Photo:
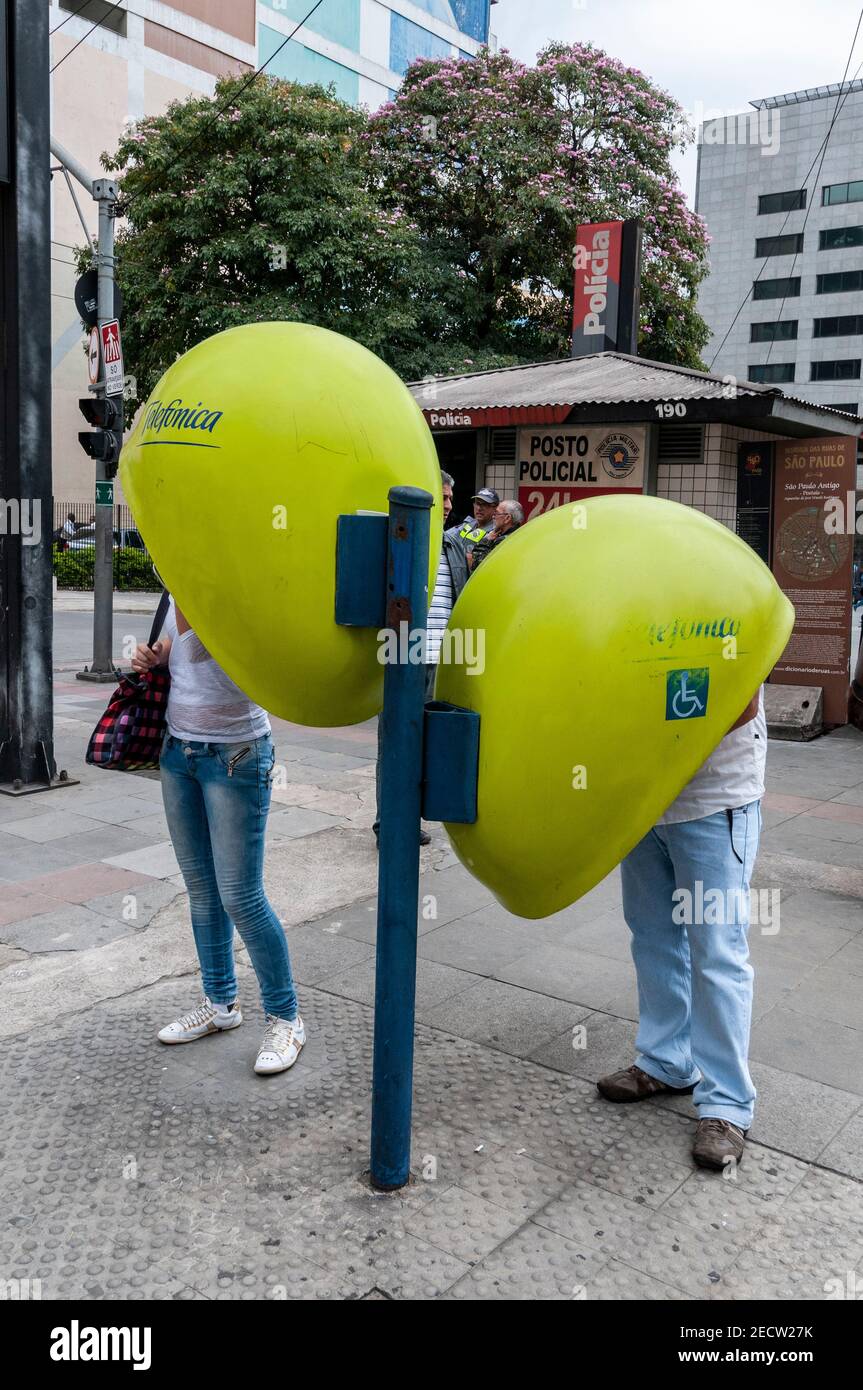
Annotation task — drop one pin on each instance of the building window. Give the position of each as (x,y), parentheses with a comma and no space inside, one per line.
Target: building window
(791,201)
(847,407)
(845,369)
(839,282)
(838,326)
(98,12)
(787,245)
(779,331)
(409,41)
(836,238)
(470,16)
(833,193)
(786,288)
(296,63)
(772,372)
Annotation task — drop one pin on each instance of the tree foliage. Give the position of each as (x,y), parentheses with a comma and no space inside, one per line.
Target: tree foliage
(439,232)
(498,163)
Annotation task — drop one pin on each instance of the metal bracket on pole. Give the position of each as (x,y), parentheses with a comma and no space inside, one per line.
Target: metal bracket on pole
(450,763)
(361,569)
(429,758)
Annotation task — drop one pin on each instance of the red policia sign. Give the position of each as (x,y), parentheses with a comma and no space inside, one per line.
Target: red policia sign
(607,265)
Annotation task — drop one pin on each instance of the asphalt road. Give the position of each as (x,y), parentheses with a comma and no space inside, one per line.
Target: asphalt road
(73,636)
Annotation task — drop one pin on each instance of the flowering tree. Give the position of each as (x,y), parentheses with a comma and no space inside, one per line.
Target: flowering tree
(497,163)
(439,232)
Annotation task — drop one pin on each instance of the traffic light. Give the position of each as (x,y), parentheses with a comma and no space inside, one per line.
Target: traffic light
(106,440)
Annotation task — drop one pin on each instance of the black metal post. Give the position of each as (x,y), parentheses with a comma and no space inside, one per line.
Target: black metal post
(26,703)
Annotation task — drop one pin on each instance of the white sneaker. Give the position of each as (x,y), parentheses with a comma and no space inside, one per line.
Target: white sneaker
(207,1018)
(283,1042)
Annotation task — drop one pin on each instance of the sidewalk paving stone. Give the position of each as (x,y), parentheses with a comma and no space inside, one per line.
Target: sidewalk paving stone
(132,1169)
(502,1016)
(434,984)
(811,1047)
(845,1150)
(67,928)
(604,1044)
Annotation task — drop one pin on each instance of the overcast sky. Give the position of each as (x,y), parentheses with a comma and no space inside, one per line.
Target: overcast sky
(713,57)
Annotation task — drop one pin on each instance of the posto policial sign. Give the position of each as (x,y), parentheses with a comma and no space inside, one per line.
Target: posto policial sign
(561,465)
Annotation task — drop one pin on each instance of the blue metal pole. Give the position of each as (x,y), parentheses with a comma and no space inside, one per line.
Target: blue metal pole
(398,869)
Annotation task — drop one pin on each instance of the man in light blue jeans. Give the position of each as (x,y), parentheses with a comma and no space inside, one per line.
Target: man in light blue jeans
(690,948)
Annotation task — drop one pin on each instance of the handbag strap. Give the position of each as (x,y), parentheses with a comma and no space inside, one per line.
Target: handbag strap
(159,617)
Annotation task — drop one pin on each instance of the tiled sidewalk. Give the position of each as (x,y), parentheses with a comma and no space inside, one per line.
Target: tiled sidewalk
(129,1169)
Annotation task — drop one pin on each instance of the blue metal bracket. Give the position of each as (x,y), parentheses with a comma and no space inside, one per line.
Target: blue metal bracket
(450,763)
(361,571)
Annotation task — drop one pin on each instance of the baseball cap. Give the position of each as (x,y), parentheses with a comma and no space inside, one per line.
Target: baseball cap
(486,494)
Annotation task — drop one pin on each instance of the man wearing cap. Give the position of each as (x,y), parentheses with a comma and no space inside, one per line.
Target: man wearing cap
(473,528)
(507,519)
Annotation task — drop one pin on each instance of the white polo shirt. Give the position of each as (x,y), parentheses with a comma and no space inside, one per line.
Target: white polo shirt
(732,776)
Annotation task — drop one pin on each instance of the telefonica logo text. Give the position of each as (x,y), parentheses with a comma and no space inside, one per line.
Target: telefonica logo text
(77,1343)
(683,630)
(176,415)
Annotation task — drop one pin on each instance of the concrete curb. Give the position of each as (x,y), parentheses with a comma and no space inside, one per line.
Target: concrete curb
(81,601)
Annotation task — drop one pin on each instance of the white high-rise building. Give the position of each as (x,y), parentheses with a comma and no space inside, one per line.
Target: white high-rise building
(784,208)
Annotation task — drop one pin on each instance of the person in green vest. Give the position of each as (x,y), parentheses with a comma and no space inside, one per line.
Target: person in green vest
(473,528)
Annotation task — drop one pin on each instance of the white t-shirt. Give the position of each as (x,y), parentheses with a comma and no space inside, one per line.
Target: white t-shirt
(204,704)
(732,776)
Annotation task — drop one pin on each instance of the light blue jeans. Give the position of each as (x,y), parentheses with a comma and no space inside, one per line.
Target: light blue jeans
(694,976)
(217,798)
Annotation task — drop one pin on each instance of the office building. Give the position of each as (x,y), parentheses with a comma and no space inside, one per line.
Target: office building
(784,208)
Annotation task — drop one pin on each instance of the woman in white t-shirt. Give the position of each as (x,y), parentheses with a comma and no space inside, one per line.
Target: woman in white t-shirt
(216,764)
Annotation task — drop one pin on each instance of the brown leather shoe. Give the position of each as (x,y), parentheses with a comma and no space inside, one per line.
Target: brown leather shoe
(718,1143)
(633,1084)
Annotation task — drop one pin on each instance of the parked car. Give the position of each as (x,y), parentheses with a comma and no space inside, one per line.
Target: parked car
(124,537)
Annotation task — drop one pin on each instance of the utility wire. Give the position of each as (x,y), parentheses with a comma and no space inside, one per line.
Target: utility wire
(235,96)
(233,99)
(822,150)
(840,102)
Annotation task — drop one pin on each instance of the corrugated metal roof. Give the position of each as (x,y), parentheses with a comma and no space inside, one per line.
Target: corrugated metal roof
(603,378)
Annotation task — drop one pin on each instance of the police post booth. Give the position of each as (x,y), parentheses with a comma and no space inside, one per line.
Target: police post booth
(778,471)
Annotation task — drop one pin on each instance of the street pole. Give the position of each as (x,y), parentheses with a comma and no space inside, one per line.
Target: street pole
(26,696)
(402,718)
(102,668)
(103,192)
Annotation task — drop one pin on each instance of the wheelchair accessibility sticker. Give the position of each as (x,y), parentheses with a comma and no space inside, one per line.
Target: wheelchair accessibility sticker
(686,694)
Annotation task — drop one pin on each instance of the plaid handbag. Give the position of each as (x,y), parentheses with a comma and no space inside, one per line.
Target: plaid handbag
(129,734)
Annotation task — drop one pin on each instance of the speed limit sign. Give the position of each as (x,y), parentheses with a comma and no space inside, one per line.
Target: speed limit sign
(93,356)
